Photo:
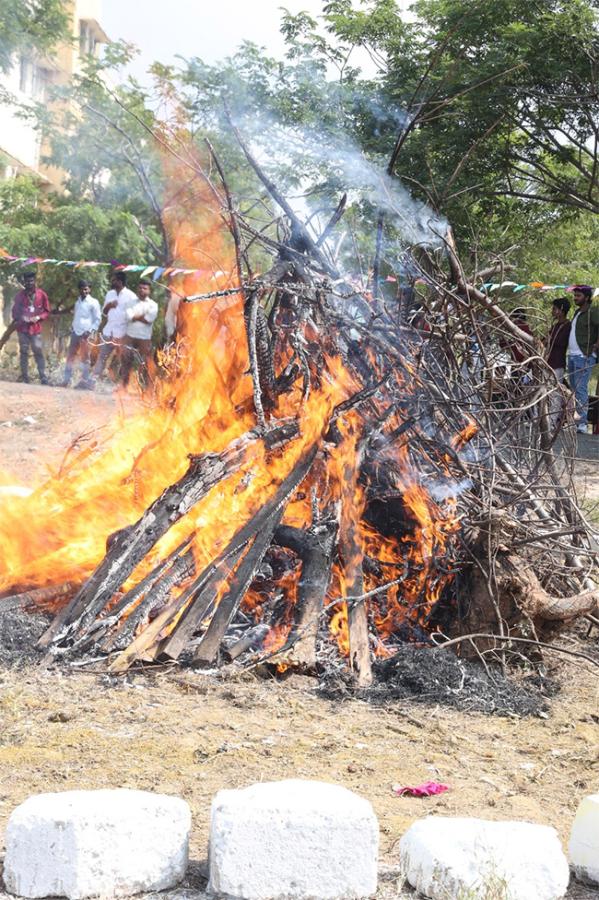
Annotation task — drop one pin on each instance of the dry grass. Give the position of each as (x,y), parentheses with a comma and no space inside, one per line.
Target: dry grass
(185,735)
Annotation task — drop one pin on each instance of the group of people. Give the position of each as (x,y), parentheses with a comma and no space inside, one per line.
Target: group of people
(573,346)
(127,331)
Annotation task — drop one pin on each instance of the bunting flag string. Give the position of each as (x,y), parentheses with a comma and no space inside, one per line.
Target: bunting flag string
(145,270)
(531,285)
(166,272)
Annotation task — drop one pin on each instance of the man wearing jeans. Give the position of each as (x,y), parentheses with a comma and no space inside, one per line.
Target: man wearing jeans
(86,320)
(116,303)
(30,307)
(583,348)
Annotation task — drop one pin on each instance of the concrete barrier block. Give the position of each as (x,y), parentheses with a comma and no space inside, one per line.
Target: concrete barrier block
(446,858)
(583,848)
(293,839)
(110,843)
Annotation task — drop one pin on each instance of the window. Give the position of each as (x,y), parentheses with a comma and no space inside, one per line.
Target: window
(87,39)
(25,75)
(32,78)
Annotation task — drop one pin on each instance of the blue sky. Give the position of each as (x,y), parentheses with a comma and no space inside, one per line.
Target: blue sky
(210,29)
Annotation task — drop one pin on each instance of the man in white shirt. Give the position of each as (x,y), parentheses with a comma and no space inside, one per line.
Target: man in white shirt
(138,340)
(86,320)
(116,303)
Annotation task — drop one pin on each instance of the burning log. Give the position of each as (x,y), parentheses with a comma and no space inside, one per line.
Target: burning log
(315,547)
(264,525)
(44,599)
(129,547)
(181,567)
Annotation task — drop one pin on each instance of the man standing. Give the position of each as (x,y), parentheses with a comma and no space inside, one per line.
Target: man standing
(115,308)
(30,307)
(138,342)
(557,340)
(86,320)
(583,347)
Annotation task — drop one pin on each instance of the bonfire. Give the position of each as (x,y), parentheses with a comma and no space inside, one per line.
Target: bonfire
(317,475)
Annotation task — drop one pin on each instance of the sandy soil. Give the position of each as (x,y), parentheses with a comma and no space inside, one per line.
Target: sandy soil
(38,424)
(180,732)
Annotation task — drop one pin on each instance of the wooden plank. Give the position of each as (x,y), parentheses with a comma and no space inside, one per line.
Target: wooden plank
(359,645)
(205,594)
(263,525)
(208,649)
(180,571)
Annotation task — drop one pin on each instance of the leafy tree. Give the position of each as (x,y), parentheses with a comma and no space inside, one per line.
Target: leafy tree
(61,227)
(501,99)
(30,24)
(490,108)
(102,138)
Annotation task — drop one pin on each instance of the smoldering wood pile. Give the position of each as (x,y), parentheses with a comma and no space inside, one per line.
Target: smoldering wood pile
(454,511)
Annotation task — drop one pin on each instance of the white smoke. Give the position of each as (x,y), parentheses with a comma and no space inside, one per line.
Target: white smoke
(448,490)
(336,159)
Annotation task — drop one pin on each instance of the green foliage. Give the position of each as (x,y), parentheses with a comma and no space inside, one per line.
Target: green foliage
(494,103)
(502,96)
(566,251)
(30,25)
(102,139)
(32,223)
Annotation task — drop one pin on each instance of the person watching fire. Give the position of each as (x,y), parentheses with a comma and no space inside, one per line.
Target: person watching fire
(116,303)
(138,340)
(558,337)
(583,349)
(86,320)
(30,308)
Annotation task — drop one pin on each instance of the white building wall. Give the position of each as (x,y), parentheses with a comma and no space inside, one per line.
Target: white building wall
(28,81)
(18,139)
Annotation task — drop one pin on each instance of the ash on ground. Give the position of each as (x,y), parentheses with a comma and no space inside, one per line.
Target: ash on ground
(19,633)
(417,674)
(423,675)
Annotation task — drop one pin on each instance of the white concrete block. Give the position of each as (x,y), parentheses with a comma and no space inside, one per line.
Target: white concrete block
(583,848)
(293,839)
(87,843)
(446,858)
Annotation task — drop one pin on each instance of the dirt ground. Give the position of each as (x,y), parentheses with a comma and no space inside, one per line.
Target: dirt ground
(184,733)
(37,425)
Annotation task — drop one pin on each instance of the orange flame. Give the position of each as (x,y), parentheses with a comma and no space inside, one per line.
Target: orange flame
(59,532)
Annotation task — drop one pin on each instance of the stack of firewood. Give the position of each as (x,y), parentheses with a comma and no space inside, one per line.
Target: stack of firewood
(414,488)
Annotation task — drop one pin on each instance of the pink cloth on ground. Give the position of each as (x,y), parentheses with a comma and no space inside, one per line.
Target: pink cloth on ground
(428,789)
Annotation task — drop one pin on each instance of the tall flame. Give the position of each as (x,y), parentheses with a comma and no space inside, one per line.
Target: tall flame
(59,532)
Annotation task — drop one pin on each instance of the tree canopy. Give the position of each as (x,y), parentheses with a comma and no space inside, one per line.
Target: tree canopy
(62,227)
(487,114)
(31,25)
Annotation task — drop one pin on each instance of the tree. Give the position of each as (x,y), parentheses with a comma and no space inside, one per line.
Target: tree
(59,227)
(30,25)
(102,139)
(501,99)
(487,112)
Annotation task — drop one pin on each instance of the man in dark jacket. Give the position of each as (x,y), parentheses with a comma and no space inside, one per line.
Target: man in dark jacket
(557,340)
(583,349)
(30,307)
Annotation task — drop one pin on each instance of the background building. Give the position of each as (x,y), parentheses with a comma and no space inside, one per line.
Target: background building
(28,81)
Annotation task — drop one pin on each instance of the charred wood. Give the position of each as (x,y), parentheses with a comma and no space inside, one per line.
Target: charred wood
(315,548)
